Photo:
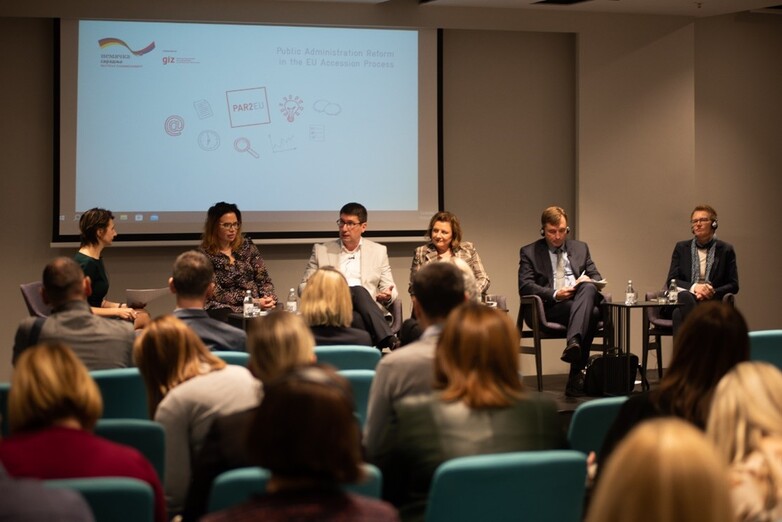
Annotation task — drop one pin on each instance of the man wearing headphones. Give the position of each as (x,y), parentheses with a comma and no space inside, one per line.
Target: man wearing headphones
(551,268)
(704,267)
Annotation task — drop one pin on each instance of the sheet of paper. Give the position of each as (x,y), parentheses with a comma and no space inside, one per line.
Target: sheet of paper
(138,298)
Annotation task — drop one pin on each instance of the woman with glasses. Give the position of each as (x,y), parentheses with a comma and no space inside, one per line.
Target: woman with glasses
(445,244)
(238,264)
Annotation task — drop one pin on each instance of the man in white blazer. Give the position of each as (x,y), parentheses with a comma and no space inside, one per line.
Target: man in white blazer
(365,265)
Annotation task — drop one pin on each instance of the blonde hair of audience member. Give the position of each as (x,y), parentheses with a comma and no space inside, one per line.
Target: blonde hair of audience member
(49,386)
(664,470)
(712,340)
(746,408)
(169,353)
(326,299)
(476,360)
(277,343)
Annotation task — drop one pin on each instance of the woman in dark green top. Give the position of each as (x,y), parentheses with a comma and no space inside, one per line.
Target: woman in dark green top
(97,232)
(479,407)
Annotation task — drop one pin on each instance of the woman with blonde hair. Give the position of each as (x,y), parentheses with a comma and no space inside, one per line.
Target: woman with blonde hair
(745,424)
(53,406)
(187,388)
(328,310)
(277,343)
(479,406)
(665,469)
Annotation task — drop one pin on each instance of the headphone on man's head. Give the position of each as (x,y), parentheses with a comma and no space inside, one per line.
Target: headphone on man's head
(567,231)
(714,226)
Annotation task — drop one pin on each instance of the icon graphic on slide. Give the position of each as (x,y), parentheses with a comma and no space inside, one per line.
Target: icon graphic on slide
(243,145)
(291,107)
(203,109)
(283,144)
(327,107)
(209,140)
(317,132)
(174,125)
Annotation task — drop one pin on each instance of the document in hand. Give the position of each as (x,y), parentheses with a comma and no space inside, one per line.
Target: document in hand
(599,284)
(139,298)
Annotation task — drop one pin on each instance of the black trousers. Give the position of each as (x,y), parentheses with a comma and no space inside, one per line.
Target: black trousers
(368,316)
(580,315)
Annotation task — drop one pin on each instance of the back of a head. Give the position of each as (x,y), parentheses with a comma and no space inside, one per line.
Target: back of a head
(746,408)
(168,353)
(326,299)
(664,470)
(51,384)
(63,280)
(711,341)
(476,360)
(438,288)
(277,343)
(192,274)
(305,427)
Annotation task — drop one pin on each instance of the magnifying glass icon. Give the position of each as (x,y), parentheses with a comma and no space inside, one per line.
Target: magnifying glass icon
(243,145)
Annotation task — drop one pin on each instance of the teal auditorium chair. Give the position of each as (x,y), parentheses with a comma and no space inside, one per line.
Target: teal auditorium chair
(348,356)
(113,499)
(591,422)
(238,485)
(360,383)
(766,345)
(124,395)
(5,387)
(237,358)
(147,436)
(533,486)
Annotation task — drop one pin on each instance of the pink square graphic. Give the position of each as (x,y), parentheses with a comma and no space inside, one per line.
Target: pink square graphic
(248,107)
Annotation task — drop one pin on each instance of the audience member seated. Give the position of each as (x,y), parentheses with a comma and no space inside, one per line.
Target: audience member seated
(445,244)
(309,453)
(664,470)
(277,343)
(192,283)
(53,406)
(437,289)
(365,266)
(238,264)
(30,501)
(101,343)
(97,232)
(480,407)
(745,424)
(187,387)
(327,308)
(711,342)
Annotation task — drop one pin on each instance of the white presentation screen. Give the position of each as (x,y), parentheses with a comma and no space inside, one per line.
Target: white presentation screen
(159,121)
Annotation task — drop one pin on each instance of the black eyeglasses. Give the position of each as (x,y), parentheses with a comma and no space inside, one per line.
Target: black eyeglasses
(230,226)
(348,224)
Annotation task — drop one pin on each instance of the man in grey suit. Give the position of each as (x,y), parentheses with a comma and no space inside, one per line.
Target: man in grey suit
(192,282)
(437,289)
(552,268)
(365,265)
(101,343)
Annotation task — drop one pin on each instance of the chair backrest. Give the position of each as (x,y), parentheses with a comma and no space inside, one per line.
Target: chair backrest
(531,486)
(591,422)
(360,382)
(147,436)
(115,499)
(231,357)
(5,387)
(766,345)
(31,292)
(348,356)
(238,485)
(124,395)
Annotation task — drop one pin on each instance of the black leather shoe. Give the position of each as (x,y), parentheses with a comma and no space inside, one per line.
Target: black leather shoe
(575,385)
(572,353)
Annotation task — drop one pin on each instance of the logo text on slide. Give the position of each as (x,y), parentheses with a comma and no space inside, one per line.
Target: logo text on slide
(108,42)
(248,107)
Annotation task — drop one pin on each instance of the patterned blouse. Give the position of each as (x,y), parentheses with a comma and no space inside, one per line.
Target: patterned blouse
(248,272)
(466,252)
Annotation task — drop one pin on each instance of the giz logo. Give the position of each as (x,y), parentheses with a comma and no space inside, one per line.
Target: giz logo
(168,59)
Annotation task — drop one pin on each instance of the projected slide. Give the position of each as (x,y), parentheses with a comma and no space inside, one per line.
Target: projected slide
(172,117)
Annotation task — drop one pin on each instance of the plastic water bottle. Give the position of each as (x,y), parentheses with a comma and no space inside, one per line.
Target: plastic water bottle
(630,295)
(292,304)
(673,292)
(247,304)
